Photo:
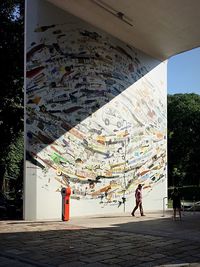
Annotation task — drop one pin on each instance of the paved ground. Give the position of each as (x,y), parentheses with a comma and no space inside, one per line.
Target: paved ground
(115,240)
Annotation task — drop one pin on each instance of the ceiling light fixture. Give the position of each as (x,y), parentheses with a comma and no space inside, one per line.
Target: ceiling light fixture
(112,11)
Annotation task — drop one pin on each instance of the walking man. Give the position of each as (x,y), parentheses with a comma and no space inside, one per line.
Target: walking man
(138,200)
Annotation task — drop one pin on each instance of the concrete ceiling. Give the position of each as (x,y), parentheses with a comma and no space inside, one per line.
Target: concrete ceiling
(160,28)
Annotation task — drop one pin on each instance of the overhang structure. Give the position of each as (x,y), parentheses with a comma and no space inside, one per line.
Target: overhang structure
(159,28)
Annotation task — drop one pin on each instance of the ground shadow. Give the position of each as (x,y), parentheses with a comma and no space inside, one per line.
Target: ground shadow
(151,243)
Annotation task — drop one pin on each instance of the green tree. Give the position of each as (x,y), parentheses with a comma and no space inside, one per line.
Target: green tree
(184,139)
(14,159)
(11,82)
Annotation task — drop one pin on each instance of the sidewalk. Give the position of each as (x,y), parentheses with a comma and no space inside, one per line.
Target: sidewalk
(115,240)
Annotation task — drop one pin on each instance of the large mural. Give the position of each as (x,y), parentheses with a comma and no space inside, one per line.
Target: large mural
(88,126)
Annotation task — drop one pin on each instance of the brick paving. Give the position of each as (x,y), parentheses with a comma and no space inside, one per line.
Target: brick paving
(119,240)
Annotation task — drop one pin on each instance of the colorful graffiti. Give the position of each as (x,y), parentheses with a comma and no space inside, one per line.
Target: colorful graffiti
(87,126)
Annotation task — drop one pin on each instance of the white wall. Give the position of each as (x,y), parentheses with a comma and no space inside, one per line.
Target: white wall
(96,118)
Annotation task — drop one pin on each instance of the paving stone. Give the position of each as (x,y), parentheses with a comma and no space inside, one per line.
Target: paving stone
(112,261)
(103,248)
(157,256)
(146,264)
(6,262)
(98,258)
(175,265)
(129,257)
(129,263)
(14,251)
(125,251)
(97,264)
(72,264)
(58,244)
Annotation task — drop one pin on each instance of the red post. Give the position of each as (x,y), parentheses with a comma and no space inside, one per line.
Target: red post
(66,192)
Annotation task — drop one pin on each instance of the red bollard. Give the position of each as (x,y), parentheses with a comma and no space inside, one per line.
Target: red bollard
(66,192)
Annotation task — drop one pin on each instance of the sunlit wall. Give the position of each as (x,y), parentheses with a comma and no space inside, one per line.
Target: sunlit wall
(95,118)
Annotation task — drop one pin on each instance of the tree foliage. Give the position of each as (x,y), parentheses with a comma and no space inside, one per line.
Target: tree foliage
(11,82)
(15,157)
(184,139)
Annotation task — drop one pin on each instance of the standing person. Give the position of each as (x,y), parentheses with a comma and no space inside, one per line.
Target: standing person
(176,199)
(138,201)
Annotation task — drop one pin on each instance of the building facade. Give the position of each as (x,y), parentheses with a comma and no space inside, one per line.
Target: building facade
(96,118)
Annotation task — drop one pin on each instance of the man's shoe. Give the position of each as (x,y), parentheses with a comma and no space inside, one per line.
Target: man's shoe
(132,214)
(143,215)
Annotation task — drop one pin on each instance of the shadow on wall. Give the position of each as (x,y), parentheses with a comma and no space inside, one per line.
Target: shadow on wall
(85,123)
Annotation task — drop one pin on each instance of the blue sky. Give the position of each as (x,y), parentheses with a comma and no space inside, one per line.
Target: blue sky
(184,73)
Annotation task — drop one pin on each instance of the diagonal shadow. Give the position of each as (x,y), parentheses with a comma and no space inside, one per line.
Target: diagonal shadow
(65,86)
(91,112)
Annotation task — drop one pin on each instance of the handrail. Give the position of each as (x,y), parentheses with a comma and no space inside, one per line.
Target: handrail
(182,205)
(193,206)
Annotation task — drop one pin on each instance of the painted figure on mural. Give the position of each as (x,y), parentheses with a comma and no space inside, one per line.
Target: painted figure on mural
(138,201)
(176,199)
